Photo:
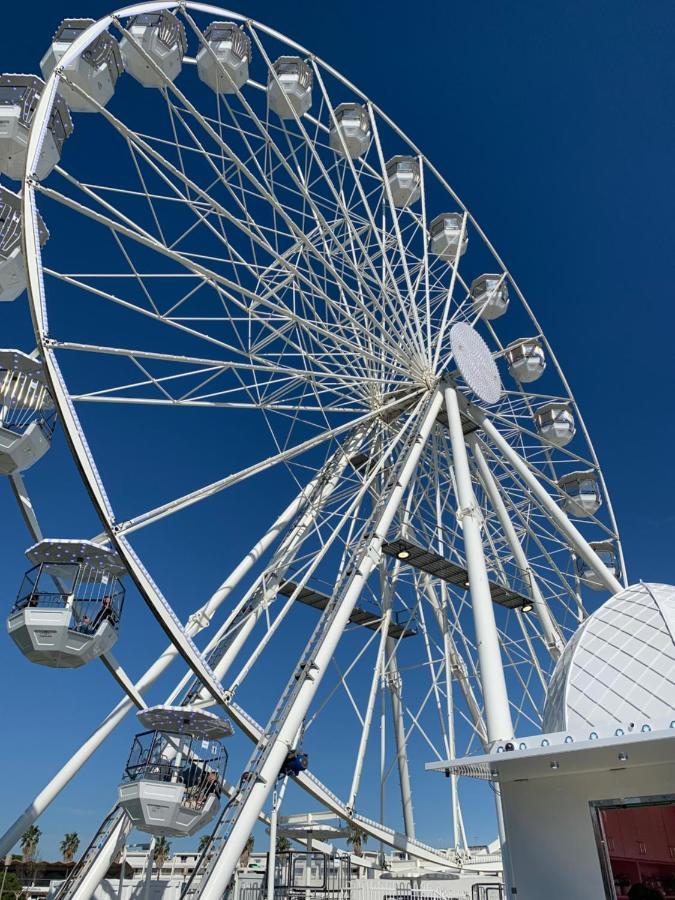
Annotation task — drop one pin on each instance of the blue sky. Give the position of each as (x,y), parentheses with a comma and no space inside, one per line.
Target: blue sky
(554,124)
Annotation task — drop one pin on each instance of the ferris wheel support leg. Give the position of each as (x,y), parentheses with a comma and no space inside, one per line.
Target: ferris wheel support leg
(196,623)
(370,708)
(557,516)
(102,861)
(491,669)
(394,683)
(277,799)
(282,739)
(551,634)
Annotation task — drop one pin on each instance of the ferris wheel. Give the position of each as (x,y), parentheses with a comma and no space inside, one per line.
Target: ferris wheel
(236,249)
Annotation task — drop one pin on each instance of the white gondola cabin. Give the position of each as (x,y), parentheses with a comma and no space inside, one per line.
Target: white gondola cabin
(445,234)
(490,296)
(173,778)
(289,87)
(403,175)
(223,63)
(69,605)
(154,48)
(607,553)
(27,412)
(581,495)
(555,423)
(526,359)
(95,71)
(350,133)
(19,95)
(12,263)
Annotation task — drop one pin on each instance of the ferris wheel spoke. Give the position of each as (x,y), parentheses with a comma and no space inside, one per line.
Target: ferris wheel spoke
(170,86)
(403,254)
(174,506)
(147,152)
(214,278)
(316,159)
(414,332)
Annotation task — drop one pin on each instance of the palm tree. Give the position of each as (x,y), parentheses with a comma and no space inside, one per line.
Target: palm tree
(356,838)
(246,853)
(204,842)
(160,853)
(283,844)
(29,842)
(69,846)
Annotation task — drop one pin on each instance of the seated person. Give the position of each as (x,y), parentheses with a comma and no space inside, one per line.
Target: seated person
(31,600)
(105,614)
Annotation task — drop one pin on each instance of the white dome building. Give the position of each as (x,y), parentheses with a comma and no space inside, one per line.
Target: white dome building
(619,668)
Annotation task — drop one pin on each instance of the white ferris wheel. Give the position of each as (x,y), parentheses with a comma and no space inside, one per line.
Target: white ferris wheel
(243,274)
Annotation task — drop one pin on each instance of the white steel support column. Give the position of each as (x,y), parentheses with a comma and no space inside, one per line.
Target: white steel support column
(277,798)
(368,718)
(394,683)
(101,863)
(558,518)
(552,636)
(293,716)
(493,681)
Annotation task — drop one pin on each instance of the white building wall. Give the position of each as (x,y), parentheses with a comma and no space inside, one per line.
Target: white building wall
(550,828)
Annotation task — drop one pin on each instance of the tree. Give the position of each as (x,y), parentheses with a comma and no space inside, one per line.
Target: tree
(356,838)
(161,853)
(283,844)
(29,842)
(204,842)
(246,853)
(11,886)
(69,846)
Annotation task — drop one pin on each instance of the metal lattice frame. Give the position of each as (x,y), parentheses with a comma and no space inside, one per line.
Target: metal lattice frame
(277,276)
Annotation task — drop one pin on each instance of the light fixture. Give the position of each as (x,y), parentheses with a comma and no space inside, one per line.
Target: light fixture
(555,765)
(623,756)
(527,606)
(403,554)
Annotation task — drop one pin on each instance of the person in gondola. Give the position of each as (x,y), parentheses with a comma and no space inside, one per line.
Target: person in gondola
(105,614)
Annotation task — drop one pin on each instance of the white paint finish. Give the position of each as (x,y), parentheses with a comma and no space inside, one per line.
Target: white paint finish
(493,681)
(619,667)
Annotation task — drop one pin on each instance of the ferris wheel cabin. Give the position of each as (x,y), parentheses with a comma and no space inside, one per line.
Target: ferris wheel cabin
(607,553)
(350,133)
(69,605)
(526,359)
(555,423)
(581,493)
(290,92)
(445,233)
(19,95)
(27,412)
(95,71)
(403,175)
(154,41)
(223,63)
(173,778)
(489,296)
(12,263)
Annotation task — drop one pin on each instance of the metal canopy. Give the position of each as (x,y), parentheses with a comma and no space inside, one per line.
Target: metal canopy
(198,723)
(318,600)
(434,564)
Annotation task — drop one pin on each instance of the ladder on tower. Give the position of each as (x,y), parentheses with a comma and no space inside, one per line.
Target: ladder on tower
(231,812)
(107,832)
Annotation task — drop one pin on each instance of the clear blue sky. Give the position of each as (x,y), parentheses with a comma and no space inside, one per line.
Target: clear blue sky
(554,122)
